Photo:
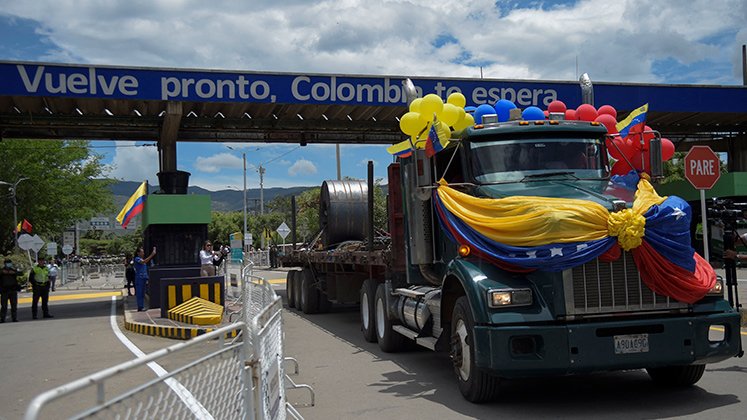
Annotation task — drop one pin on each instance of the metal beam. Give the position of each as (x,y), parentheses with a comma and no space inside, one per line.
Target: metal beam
(168,137)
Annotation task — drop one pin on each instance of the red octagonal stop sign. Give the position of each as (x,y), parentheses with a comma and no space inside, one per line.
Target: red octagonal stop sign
(702,167)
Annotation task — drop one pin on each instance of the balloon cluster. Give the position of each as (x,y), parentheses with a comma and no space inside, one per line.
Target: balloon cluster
(431,110)
(633,148)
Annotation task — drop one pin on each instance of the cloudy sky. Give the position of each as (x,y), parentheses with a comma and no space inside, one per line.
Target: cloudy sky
(692,42)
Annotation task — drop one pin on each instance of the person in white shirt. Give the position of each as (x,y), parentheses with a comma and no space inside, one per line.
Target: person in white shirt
(207,256)
(53,270)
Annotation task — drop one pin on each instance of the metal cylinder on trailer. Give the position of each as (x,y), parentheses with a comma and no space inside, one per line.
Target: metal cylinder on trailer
(343,211)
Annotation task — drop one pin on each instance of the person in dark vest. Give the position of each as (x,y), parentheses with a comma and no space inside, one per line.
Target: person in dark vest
(9,288)
(39,278)
(129,275)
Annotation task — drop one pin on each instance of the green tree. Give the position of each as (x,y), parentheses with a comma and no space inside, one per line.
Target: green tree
(223,225)
(65,184)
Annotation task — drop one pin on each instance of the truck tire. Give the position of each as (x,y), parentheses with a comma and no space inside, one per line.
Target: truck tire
(368,324)
(389,340)
(297,289)
(475,384)
(309,293)
(289,292)
(676,376)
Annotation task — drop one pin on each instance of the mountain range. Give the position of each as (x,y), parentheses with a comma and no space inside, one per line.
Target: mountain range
(223,200)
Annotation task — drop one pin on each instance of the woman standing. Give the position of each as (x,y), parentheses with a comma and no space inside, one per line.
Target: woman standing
(207,256)
(141,275)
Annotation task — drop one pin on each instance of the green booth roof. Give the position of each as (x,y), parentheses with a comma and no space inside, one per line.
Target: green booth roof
(167,209)
(733,184)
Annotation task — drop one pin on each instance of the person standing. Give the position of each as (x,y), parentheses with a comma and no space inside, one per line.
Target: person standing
(53,270)
(129,274)
(141,275)
(9,288)
(39,279)
(207,256)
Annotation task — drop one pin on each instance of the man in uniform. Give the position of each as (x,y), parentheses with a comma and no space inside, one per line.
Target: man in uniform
(39,278)
(9,290)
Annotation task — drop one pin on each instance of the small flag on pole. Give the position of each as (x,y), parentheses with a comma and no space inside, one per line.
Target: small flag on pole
(134,205)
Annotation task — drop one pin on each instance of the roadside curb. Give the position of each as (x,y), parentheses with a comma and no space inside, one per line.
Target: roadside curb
(179,332)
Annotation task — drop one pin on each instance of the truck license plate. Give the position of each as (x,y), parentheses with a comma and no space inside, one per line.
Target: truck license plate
(632,343)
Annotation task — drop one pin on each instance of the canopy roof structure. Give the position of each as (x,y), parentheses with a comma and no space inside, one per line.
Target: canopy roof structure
(64,101)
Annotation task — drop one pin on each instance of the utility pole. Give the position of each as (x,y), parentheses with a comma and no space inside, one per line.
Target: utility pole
(243,236)
(12,189)
(262,197)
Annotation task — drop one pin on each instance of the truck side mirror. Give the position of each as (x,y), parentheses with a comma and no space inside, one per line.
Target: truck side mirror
(656,163)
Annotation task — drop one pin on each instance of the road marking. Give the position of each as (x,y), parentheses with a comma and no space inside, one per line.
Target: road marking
(276,281)
(56,298)
(183,393)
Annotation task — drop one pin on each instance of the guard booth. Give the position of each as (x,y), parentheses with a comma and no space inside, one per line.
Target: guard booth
(176,224)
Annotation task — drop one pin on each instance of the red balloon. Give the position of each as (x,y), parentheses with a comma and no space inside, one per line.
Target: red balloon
(620,168)
(635,136)
(570,114)
(556,106)
(586,112)
(547,113)
(607,109)
(615,151)
(608,121)
(667,149)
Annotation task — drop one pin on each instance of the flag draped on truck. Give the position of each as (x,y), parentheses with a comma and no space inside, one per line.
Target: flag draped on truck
(554,234)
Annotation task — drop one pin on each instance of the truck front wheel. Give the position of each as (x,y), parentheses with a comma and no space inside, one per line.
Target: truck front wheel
(677,376)
(368,293)
(475,384)
(389,340)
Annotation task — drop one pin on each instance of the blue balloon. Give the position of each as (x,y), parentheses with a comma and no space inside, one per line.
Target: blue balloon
(532,113)
(470,109)
(503,109)
(481,110)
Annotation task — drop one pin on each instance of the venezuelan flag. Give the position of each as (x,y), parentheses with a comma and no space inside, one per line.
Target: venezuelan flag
(134,205)
(636,117)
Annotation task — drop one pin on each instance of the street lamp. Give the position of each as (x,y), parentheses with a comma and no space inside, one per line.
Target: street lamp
(243,236)
(12,190)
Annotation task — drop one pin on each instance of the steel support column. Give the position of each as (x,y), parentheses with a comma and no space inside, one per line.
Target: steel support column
(169,134)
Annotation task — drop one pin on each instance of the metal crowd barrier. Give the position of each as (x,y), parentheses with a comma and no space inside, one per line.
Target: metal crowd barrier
(242,379)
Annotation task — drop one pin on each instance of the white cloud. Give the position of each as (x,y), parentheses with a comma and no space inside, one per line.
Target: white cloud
(215,163)
(134,163)
(302,167)
(613,41)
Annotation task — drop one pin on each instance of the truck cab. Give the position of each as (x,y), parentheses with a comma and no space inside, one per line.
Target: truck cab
(498,322)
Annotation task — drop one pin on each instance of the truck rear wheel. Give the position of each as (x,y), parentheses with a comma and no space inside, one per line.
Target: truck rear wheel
(309,294)
(677,376)
(475,384)
(390,341)
(368,294)
(289,292)
(297,289)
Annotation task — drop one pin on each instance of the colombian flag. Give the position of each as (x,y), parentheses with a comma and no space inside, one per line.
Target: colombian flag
(134,205)
(402,149)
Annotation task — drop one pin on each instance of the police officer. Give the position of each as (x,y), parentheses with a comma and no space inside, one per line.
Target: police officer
(9,288)
(39,278)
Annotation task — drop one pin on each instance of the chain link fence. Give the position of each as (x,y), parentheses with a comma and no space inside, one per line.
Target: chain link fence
(239,379)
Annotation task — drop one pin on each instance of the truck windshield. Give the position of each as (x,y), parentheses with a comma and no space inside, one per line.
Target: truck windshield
(513,160)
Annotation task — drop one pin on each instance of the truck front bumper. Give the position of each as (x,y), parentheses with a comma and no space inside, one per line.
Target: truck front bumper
(526,351)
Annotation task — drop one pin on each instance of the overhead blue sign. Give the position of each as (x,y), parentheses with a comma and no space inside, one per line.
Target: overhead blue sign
(105,82)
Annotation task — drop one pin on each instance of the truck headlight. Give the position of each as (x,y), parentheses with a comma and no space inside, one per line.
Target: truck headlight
(718,288)
(500,298)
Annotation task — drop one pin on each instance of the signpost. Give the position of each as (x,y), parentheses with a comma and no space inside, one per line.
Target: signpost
(283,230)
(702,169)
(52,249)
(67,249)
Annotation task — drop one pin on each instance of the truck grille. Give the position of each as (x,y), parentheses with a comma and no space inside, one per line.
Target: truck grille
(606,287)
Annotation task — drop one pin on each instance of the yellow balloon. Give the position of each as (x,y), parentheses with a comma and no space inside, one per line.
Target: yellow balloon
(450,114)
(444,132)
(431,104)
(410,123)
(457,99)
(415,105)
(465,122)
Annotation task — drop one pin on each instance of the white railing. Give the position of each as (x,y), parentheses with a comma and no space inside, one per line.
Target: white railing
(243,378)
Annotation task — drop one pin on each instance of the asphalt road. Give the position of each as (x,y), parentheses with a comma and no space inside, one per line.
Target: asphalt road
(352,379)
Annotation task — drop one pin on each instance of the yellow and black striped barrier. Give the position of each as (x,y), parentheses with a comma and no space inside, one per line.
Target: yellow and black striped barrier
(197,311)
(176,291)
(181,333)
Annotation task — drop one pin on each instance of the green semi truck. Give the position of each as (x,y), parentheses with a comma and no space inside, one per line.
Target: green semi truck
(423,283)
